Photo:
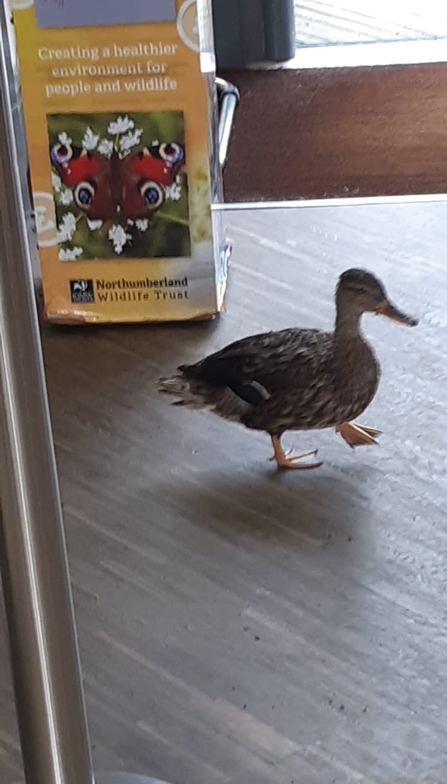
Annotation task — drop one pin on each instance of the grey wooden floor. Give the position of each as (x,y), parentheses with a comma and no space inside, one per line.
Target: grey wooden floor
(240,625)
(321,22)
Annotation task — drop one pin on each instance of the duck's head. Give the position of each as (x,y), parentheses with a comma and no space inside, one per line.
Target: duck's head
(359,291)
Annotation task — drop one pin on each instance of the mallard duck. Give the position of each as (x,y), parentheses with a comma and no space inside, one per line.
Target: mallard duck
(296,379)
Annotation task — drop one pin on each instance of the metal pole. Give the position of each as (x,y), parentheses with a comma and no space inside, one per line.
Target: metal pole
(44,652)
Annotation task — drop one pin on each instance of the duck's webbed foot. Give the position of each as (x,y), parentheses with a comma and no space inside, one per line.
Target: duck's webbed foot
(290,461)
(358,435)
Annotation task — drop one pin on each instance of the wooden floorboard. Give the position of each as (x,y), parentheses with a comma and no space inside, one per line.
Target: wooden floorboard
(237,625)
(327,22)
(338,132)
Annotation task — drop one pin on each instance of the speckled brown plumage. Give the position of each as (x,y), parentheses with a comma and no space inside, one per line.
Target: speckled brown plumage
(296,379)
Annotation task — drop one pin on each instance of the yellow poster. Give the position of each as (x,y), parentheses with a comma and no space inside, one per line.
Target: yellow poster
(119,121)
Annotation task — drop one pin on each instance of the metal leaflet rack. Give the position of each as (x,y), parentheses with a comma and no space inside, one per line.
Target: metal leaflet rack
(228,96)
(34,568)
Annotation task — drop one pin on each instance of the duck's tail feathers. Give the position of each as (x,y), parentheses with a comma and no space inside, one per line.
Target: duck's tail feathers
(179,387)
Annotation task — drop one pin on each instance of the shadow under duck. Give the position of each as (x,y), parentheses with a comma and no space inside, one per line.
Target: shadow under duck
(296,379)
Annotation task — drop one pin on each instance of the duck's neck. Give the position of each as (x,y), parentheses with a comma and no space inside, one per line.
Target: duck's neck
(355,368)
(347,327)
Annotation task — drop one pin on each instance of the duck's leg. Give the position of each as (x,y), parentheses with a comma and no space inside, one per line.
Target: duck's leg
(357,435)
(295,462)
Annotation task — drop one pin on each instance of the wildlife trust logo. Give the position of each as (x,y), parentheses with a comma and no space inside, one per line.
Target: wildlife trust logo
(82,291)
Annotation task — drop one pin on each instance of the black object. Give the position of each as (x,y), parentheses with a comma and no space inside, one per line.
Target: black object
(250,32)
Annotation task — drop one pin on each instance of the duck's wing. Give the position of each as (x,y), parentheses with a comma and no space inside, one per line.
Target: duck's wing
(257,367)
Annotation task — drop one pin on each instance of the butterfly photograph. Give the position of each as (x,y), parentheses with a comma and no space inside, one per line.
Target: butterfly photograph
(120,185)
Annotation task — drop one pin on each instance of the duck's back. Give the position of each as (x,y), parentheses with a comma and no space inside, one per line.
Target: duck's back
(275,375)
(271,359)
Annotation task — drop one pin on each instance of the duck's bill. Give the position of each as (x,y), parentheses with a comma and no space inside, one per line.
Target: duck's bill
(387,308)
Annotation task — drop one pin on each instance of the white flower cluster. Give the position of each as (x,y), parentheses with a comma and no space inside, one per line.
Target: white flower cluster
(64,139)
(173,192)
(67,228)
(119,238)
(70,254)
(90,140)
(129,140)
(120,125)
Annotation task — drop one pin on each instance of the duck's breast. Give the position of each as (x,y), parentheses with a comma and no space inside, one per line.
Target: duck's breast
(357,376)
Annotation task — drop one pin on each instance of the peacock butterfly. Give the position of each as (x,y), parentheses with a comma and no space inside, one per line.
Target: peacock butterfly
(115,188)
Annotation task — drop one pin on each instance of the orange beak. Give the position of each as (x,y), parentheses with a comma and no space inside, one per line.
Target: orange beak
(387,308)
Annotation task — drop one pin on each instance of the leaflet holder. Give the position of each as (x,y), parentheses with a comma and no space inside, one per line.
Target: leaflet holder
(127,131)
